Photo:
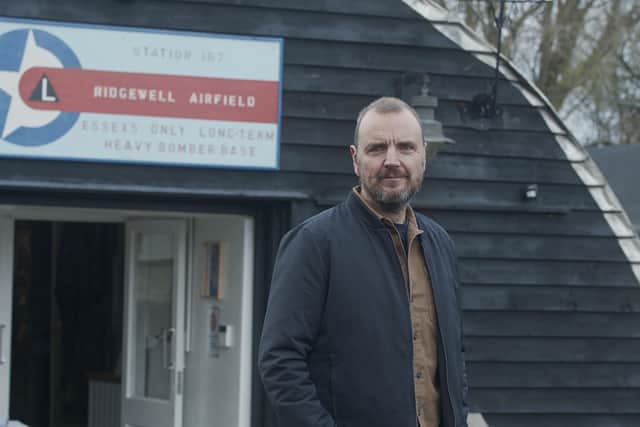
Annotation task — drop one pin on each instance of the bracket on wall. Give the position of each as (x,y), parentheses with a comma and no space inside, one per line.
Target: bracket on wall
(407,84)
(485,105)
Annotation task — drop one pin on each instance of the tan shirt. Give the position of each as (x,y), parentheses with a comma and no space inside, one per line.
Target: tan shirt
(423,317)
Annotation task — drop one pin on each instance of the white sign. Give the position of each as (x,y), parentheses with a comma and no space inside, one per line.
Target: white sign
(80,92)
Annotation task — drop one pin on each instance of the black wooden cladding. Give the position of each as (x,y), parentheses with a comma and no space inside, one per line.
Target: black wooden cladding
(501,169)
(556,324)
(390,8)
(578,223)
(563,420)
(514,272)
(490,196)
(320,25)
(501,143)
(403,59)
(552,349)
(491,143)
(551,248)
(540,298)
(367,81)
(553,375)
(551,305)
(341,107)
(509,400)
(312,25)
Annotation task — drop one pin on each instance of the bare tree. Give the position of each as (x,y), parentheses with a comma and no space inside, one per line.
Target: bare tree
(616,107)
(580,53)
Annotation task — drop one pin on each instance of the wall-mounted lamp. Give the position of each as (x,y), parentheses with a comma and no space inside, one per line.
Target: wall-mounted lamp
(425,105)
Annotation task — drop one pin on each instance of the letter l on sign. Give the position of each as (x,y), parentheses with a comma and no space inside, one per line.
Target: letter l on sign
(45,91)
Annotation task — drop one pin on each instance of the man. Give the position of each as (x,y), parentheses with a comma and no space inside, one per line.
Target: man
(362,326)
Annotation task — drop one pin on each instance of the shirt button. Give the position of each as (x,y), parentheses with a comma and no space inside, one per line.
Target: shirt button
(419,375)
(415,335)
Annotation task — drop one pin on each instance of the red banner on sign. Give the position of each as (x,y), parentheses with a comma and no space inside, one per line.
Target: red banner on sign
(152,95)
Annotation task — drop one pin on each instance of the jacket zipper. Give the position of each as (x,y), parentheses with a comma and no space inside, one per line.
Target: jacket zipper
(408,293)
(407,250)
(444,349)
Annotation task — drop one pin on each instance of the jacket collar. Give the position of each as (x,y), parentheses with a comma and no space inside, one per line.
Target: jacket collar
(357,205)
(371,218)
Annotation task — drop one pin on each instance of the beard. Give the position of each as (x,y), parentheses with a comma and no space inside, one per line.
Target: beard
(394,200)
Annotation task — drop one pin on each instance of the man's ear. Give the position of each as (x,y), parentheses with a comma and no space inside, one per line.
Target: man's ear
(354,158)
(424,157)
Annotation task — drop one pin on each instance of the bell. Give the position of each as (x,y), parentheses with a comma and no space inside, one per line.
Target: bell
(425,105)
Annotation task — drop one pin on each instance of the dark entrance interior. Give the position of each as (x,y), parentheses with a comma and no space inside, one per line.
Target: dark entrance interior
(67,318)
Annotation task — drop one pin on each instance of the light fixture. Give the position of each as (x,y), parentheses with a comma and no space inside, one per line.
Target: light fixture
(531,192)
(425,105)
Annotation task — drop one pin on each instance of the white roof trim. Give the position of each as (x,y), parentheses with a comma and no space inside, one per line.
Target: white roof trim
(620,224)
(458,32)
(552,123)
(529,95)
(462,37)
(574,152)
(490,59)
(602,200)
(433,11)
(631,247)
(589,173)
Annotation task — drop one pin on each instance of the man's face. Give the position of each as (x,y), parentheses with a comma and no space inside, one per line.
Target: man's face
(389,158)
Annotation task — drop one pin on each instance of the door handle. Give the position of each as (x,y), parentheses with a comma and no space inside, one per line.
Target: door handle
(3,360)
(166,348)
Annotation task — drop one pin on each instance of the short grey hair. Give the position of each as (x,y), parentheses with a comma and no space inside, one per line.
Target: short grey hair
(386,105)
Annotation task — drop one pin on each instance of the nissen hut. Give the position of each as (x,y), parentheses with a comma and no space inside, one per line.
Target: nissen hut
(153,153)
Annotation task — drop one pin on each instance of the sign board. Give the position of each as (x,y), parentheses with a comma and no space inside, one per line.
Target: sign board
(115,94)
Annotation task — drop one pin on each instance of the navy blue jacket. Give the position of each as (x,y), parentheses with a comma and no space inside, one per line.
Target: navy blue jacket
(337,346)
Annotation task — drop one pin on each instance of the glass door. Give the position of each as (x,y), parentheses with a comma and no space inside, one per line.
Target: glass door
(155,269)
(6,303)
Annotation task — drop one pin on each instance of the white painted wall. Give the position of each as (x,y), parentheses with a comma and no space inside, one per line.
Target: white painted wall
(217,391)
